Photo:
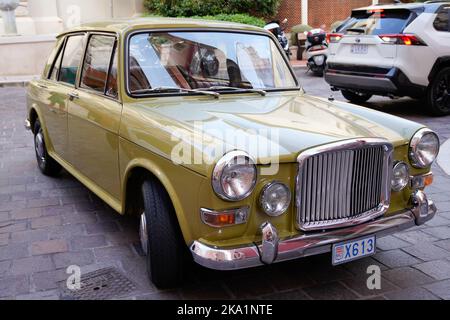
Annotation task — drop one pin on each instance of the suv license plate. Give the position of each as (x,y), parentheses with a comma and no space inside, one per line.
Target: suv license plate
(353,250)
(360,49)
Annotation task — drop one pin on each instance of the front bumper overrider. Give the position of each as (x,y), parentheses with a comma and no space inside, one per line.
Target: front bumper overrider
(271,249)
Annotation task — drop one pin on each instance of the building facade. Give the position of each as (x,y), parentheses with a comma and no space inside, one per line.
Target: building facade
(321,12)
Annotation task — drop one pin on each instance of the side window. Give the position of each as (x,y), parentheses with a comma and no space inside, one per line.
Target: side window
(73,54)
(56,65)
(111,87)
(442,20)
(97,62)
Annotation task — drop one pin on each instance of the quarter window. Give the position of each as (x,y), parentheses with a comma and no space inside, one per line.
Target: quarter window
(442,20)
(111,88)
(71,59)
(97,63)
(56,66)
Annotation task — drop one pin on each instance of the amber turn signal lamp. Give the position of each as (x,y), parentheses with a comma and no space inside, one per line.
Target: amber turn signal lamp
(225,218)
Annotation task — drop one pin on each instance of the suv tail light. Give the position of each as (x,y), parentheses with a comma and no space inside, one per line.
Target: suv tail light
(402,39)
(334,37)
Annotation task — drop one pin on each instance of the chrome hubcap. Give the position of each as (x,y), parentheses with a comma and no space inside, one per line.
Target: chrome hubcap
(143,233)
(40,147)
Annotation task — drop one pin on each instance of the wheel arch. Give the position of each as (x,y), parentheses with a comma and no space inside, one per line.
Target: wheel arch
(440,63)
(135,174)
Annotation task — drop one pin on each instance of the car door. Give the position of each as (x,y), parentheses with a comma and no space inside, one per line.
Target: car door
(94,115)
(57,88)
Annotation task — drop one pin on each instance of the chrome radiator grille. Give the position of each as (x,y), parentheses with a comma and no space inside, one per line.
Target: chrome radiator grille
(341,186)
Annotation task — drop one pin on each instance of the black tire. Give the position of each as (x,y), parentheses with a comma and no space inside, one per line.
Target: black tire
(46,164)
(439,94)
(356,97)
(166,249)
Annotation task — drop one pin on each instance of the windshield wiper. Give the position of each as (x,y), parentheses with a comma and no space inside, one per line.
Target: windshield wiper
(358,30)
(260,91)
(176,89)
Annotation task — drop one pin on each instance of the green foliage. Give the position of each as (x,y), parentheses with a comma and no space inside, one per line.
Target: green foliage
(238,18)
(300,28)
(189,8)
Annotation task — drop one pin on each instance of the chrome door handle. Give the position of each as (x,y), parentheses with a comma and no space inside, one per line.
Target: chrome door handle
(73,96)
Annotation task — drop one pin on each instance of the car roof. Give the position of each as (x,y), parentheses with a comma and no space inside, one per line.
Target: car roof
(410,6)
(122,26)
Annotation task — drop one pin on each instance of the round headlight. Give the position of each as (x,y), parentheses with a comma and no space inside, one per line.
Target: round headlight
(275,199)
(400,176)
(424,148)
(234,177)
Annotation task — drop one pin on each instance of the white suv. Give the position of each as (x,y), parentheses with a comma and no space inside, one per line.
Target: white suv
(394,50)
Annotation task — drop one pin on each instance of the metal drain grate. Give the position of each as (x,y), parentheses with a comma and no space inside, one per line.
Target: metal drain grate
(101,285)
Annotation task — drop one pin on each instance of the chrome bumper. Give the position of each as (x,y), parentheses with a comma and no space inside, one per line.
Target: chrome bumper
(271,249)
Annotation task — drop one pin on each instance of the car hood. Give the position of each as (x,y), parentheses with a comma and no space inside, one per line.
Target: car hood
(282,124)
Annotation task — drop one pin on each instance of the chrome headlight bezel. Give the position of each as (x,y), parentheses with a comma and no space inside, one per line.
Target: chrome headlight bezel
(398,166)
(263,198)
(233,157)
(414,153)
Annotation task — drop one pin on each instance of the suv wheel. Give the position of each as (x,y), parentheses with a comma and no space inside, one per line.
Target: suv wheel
(356,97)
(46,164)
(161,237)
(439,94)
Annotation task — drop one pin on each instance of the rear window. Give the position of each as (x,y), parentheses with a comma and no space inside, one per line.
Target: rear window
(442,20)
(377,22)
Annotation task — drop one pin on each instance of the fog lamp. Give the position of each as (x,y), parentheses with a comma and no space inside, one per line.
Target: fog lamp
(400,176)
(275,199)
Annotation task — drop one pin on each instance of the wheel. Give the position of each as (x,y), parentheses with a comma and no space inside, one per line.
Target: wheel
(356,97)
(439,94)
(318,72)
(161,238)
(46,164)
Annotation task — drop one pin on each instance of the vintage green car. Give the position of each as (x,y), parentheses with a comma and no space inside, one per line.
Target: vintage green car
(202,131)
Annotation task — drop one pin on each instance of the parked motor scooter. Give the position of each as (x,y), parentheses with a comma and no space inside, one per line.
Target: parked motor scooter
(277,29)
(316,51)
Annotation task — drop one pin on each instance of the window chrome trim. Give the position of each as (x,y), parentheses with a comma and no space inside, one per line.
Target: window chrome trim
(352,144)
(413,145)
(223,30)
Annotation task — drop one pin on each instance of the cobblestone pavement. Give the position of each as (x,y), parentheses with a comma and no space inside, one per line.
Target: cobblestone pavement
(48,224)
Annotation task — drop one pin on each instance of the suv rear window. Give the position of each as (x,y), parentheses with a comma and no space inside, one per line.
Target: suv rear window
(442,20)
(376,22)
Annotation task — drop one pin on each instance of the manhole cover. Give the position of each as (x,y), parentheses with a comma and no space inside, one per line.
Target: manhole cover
(101,285)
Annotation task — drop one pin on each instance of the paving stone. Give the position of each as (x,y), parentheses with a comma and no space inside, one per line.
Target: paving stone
(4,239)
(359,285)
(11,286)
(396,258)
(32,264)
(76,218)
(407,277)
(330,291)
(411,294)
(444,244)
(102,227)
(14,251)
(4,216)
(439,270)
(439,232)
(212,291)
(66,232)
(29,236)
(47,247)
(287,295)
(28,213)
(416,236)
(48,280)
(6,227)
(440,289)
(427,251)
(66,259)
(248,287)
(5,267)
(88,242)
(438,221)
(44,295)
(44,222)
(113,253)
(42,202)
(391,242)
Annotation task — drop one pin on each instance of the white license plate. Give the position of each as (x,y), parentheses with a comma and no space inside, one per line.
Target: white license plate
(352,250)
(360,49)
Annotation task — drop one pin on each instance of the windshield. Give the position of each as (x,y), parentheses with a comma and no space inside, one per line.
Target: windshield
(376,22)
(206,60)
